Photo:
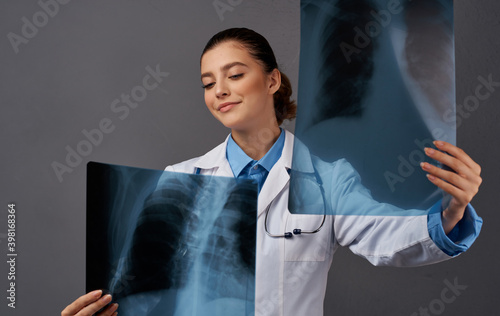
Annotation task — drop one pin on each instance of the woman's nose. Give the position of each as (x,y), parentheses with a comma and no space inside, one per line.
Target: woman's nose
(221,90)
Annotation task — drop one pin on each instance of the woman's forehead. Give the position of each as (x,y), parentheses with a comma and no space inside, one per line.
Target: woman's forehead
(224,53)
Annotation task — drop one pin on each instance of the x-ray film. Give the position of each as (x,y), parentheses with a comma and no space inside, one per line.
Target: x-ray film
(166,243)
(376,86)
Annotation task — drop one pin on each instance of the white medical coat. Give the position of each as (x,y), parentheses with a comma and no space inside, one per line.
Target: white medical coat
(291,274)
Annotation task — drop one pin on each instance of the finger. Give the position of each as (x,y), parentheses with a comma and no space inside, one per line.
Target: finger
(473,179)
(458,166)
(460,196)
(110,310)
(450,177)
(459,154)
(81,302)
(92,308)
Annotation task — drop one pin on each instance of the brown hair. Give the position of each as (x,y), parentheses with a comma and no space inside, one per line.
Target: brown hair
(259,48)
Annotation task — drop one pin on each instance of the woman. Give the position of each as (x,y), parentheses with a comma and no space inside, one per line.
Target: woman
(247,93)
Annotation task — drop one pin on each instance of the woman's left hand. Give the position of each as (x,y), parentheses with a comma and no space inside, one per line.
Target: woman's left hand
(462,185)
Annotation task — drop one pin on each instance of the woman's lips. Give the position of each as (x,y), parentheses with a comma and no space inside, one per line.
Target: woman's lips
(226,106)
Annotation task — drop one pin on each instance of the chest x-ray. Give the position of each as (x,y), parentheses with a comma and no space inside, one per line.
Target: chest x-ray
(376,86)
(165,243)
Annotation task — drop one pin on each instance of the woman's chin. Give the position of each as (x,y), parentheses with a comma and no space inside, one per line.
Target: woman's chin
(232,124)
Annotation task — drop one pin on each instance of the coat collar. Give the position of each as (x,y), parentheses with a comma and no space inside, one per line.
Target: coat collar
(216,159)
(278,177)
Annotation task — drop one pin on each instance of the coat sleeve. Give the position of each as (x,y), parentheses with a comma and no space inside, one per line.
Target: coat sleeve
(382,233)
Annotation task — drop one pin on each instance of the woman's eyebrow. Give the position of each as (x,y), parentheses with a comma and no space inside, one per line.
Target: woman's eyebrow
(226,67)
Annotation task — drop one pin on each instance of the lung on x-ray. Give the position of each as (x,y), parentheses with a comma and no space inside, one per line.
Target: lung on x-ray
(166,243)
(376,86)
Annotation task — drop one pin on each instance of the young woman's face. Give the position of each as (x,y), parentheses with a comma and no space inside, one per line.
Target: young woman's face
(237,90)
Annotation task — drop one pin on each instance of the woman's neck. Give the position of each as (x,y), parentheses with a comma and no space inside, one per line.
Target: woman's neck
(257,142)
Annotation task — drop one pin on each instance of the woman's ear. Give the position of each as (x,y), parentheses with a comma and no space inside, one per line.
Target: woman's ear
(274,81)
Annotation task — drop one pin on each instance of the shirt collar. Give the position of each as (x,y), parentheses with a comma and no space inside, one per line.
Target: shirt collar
(238,159)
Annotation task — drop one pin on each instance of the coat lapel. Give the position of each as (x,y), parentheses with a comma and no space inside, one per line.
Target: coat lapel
(279,176)
(276,181)
(215,163)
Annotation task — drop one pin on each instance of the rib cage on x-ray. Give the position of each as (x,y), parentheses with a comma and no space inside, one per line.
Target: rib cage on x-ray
(376,86)
(345,81)
(343,84)
(185,244)
(429,60)
(178,227)
(191,249)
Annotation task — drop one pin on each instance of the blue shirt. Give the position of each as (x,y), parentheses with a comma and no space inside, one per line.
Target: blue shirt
(461,236)
(246,168)
(456,242)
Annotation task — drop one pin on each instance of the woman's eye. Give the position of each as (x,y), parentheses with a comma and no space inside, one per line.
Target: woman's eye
(236,76)
(208,85)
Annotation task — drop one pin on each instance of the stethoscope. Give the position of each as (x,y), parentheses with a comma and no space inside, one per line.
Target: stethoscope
(298,231)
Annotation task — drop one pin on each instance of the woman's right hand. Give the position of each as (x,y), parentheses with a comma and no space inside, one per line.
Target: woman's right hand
(89,304)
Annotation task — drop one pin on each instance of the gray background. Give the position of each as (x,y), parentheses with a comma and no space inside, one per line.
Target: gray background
(64,80)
